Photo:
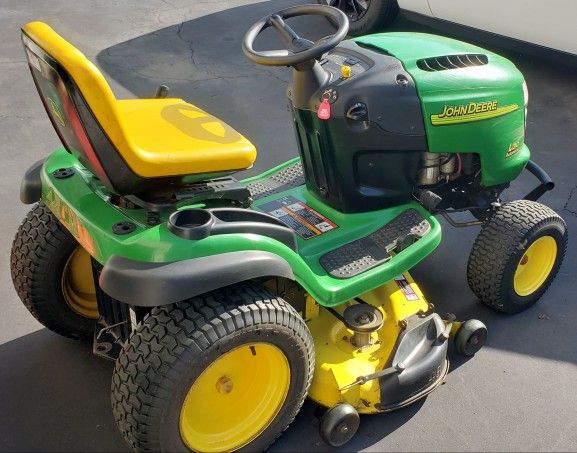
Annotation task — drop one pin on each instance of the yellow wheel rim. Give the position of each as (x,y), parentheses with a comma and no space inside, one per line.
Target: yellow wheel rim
(78,284)
(235,399)
(535,266)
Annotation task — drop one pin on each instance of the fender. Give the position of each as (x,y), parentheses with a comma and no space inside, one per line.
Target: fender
(31,185)
(146,284)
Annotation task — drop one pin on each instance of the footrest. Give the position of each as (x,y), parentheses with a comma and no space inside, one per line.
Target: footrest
(370,251)
(287,178)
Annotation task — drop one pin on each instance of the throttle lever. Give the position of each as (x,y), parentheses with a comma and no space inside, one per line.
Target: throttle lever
(358,112)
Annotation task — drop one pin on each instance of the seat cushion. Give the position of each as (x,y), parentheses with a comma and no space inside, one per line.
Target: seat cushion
(169,137)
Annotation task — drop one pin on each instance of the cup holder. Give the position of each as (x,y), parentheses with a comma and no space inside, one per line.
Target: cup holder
(191,223)
(198,224)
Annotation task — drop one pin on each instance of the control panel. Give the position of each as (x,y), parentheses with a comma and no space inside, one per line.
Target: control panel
(343,66)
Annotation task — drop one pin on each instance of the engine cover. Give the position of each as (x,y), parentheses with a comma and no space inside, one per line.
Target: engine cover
(472,99)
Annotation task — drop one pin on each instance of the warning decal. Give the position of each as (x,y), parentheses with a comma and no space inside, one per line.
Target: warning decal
(406,288)
(298,216)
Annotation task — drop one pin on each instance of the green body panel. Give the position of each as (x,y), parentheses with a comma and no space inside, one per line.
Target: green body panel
(81,203)
(499,141)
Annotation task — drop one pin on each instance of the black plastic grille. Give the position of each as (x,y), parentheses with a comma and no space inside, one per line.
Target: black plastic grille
(452,62)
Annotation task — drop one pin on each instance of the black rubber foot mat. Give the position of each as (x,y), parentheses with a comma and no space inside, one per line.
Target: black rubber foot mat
(287,178)
(370,251)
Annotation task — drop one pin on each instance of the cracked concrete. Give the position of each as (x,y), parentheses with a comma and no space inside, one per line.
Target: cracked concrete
(518,394)
(571,203)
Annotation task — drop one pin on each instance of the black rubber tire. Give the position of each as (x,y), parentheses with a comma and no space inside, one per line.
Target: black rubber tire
(380,13)
(176,343)
(470,337)
(339,424)
(39,254)
(500,245)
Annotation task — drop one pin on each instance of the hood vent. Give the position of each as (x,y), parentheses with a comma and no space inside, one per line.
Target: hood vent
(434,64)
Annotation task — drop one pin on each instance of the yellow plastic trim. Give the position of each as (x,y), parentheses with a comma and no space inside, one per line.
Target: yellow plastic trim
(156,137)
(535,266)
(235,399)
(78,284)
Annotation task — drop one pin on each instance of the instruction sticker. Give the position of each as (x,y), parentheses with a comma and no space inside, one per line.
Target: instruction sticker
(298,216)
(406,288)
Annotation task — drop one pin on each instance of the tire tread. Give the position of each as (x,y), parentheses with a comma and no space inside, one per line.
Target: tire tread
(153,351)
(499,239)
(39,237)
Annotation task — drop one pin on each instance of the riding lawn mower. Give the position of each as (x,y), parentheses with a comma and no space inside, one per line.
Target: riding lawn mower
(224,302)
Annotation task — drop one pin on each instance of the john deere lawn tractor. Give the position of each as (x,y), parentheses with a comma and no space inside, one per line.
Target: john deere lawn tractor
(225,303)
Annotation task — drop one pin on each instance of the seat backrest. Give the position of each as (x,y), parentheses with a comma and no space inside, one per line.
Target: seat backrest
(80,105)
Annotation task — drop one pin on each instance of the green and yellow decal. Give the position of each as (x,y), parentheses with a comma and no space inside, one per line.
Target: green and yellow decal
(473,111)
(514,148)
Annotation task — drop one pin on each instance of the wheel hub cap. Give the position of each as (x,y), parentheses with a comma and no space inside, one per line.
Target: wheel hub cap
(78,284)
(535,266)
(235,398)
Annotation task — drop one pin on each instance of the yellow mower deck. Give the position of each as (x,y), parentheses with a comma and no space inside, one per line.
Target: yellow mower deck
(339,363)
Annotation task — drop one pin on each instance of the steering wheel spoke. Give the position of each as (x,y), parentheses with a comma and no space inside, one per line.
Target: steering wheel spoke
(287,34)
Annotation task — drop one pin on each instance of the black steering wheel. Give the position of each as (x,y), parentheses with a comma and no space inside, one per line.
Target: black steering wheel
(298,49)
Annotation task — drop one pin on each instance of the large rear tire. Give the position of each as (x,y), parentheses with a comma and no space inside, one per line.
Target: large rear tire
(366,16)
(517,255)
(224,372)
(52,274)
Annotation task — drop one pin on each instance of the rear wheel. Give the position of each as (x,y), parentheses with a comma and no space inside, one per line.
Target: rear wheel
(366,16)
(224,372)
(52,275)
(517,255)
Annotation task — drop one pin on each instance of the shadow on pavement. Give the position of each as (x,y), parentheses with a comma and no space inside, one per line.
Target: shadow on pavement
(55,396)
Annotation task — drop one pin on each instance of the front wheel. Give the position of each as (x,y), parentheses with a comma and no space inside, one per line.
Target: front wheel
(225,372)
(366,16)
(517,255)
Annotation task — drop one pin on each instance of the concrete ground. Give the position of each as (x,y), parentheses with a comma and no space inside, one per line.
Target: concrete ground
(517,394)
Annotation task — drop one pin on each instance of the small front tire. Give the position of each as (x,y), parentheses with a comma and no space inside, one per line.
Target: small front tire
(517,255)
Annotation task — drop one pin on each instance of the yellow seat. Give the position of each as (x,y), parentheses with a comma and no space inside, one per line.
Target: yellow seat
(156,138)
(171,137)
